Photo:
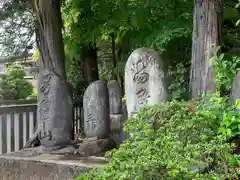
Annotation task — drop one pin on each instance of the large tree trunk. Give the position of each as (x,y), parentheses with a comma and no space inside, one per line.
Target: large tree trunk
(54,112)
(119,58)
(206,33)
(50,39)
(89,56)
(114,60)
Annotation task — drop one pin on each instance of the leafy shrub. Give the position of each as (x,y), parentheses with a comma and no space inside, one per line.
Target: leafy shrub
(178,86)
(226,68)
(34,94)
(185,143)
(13,84)
(230,125)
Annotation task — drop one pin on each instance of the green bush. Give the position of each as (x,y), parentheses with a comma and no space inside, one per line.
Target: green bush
(34,94)
(185,143)
(13,84)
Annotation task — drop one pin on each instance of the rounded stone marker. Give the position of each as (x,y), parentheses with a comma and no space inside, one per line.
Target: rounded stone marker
(144,79)
(96,110)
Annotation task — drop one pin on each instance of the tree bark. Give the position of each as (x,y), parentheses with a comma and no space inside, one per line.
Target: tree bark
(206,33)
(54,96)
(89,56)
(49,34)
(114,56)
(119,58)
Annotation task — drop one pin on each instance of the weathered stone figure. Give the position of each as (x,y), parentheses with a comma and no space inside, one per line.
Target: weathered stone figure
(144,79)
(96,110)
(115,101)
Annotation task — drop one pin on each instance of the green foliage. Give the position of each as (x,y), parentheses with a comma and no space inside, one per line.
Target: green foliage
(237,6)
(184,144)
(17,27)
(124,100)
(105,61)
(13,84)
(75,77)
(231,122)
(34,94)
(134,24)
(36,55)
(177,56)
(226,68)
(178,85)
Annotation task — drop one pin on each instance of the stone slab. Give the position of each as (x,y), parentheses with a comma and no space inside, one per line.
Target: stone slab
(115,121)
(24,165)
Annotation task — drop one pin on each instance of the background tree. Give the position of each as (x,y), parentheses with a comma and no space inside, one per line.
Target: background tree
(17,27)
(207,29)
(13,84)
(116,28)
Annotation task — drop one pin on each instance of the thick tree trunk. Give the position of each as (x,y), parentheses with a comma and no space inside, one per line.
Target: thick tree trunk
(50,33)
(206,33)
(89,56)
(119,58)
(54,94)
(114,56)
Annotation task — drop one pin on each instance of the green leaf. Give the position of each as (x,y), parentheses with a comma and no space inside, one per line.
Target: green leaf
(237,23)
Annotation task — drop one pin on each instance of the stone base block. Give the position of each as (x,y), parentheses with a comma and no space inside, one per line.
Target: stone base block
(116,121)
(24,165)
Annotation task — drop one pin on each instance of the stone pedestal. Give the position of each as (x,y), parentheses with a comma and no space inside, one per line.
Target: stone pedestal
(23,165)
(116,120)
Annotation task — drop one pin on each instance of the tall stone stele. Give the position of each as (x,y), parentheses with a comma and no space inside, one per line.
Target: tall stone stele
(96,110)
(144,79)
(54,114)
(144,82)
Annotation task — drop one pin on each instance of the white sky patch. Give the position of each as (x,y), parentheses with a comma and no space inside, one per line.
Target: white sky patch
(18,34)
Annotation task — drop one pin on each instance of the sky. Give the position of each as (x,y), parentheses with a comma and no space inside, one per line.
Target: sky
(2,53)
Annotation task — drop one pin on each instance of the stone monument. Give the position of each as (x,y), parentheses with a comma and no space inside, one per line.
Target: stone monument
(144,80)
(96,121)
(54,114)
(96,110)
